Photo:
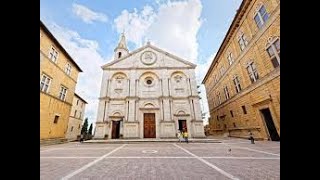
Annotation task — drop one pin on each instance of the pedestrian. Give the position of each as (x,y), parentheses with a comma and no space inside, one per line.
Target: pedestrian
(251,137)
(179,135)
(185,135)
(81,138)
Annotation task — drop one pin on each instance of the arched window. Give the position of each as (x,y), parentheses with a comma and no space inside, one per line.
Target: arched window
(119,55)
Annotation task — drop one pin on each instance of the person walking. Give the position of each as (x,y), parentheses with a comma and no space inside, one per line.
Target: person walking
(251,137)
(81,138)
(179,135)
(185,135)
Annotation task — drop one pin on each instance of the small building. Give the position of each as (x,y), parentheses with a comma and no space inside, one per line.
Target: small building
(76,117)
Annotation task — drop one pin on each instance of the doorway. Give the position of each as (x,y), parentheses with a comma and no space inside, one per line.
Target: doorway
(115,129)
(149,124)
(182,125)
(270,124)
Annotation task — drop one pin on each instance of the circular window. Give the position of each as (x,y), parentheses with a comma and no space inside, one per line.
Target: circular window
(149,81)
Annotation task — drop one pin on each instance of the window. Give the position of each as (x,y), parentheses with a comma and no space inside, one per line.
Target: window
(53,54)
(234,125)
(226,92)
(56,119)
(68,69)
(63,93)
(71,129)
(230,58)
(217,118)
(244,110)
(149,81)
(80,115)
(242,41)
(252,71)
(44,83)
(219,98)
(221,71)
(75,113)
(225,126)
(237,84)
(231,113)
(119,55)
(274,52)
(77,101)
(261,17)
(79,126)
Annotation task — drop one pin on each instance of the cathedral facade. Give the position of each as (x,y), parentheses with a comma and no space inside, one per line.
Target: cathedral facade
(147,93)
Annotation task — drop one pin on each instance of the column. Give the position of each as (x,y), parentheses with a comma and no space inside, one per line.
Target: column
(108,87)
(169,87)
(131,110)
(106,111)
(170,103)
(191,110)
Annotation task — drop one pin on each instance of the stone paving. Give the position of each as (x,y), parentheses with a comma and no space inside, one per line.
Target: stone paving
(162,161)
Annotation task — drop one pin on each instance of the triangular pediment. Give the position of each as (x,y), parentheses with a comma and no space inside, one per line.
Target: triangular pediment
(149,56)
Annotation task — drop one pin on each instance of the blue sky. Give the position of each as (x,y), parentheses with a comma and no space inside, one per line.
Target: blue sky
(90,30)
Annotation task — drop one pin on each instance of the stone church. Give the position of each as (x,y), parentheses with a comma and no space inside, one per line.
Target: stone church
(147,93)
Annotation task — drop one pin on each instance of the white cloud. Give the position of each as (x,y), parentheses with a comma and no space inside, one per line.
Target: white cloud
(202,68)
(87,15)
(201,71)
(173,26)
(135,24)
(84,52)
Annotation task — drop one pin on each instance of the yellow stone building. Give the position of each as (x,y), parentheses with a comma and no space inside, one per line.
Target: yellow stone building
(58,79)
(76,117)
(243,81)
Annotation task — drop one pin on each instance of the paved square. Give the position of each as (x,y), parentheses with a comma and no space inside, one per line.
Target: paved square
(162,161)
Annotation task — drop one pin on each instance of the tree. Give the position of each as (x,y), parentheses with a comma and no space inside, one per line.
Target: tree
(84,129)
(90,129)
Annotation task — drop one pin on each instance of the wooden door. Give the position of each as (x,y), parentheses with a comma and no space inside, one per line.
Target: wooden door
(149,124)
(115,129)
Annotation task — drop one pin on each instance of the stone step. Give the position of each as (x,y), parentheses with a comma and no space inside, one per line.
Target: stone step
(45,142)
(130,141)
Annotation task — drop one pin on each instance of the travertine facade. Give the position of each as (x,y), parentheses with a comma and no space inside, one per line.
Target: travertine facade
(243,81)
(147,93)
(76,117)
(58,79)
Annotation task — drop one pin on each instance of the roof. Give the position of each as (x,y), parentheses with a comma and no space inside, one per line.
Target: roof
(153,47)
(59,45)
(80,98)
(235,23)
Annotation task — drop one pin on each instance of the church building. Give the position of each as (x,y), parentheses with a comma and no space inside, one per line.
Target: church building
(147,93)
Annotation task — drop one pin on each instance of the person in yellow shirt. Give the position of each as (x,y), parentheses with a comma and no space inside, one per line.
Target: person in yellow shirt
(185,135)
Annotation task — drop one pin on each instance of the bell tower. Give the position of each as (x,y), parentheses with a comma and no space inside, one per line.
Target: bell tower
(121,50)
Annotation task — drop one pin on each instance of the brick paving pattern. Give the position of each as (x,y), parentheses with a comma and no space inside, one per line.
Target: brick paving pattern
(165,161)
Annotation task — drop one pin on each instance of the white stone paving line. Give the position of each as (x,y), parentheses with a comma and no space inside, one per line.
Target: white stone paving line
(51,149)
(154,157)
(209,164)
(234,157)
(69,157)
(90,164)
(256,150)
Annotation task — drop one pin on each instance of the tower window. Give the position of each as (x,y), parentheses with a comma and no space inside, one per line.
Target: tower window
(119,55)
